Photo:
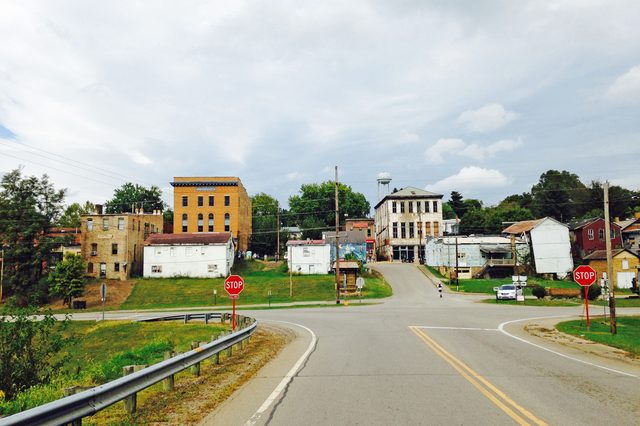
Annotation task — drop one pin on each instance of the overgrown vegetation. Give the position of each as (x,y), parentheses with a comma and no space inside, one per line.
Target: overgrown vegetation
(67,279)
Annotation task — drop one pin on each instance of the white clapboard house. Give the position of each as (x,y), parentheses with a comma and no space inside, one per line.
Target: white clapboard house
(308,256)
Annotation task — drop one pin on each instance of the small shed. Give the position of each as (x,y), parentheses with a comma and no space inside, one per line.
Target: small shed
(349,269)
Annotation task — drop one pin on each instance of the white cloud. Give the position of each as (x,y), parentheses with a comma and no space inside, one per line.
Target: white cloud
(487,118)
(626,88)
(470,177)
(294,176)
(436,153)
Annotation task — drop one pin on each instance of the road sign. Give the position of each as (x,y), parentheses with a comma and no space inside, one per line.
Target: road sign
(584,275)
(360,283)
(103,292)
(234,285)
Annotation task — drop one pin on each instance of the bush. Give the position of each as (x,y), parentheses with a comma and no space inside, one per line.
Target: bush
(538,291)
(593,293)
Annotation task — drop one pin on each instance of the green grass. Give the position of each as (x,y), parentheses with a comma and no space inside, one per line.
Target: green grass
(435,272)
(486,286)
(535,302)
(627,338)
(259,280)
(620,303)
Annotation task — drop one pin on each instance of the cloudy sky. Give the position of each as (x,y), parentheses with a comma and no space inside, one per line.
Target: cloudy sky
(478,96)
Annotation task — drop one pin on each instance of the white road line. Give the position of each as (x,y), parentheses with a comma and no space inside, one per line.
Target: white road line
(455,328)
(287,378)
(502,330)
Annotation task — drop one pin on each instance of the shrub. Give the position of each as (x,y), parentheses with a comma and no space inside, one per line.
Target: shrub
(593,293)
(538,291)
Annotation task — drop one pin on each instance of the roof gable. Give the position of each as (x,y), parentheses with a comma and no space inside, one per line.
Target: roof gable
(208,238)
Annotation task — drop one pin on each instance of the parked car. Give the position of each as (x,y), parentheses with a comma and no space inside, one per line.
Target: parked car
(506,292)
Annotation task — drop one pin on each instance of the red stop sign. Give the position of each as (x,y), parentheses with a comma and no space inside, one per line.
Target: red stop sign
(234,285)
(584,275)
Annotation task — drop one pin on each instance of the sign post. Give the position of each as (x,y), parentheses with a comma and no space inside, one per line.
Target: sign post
(585,275)
(103,296)
(234,285)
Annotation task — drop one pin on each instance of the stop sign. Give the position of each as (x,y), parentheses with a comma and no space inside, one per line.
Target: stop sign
(584,275)
(234,285)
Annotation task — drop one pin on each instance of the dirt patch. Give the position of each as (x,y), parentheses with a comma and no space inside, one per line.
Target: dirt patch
(117,292)
(195,397)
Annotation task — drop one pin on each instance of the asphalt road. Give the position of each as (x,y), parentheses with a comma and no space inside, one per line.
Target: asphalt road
(419,359)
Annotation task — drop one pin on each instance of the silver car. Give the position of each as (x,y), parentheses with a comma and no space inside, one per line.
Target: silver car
(506,292)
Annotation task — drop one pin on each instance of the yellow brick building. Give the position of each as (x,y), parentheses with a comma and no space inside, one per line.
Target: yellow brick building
(625,266)
(212,204)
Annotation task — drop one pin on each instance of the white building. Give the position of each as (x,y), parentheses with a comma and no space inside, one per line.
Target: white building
(404,219)
(308,256)
(549,242)
(202,255)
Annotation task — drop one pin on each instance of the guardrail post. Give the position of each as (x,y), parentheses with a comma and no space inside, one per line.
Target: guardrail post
(186,318)
(131,402)
(168,383)
(222,316)
(195,368)
(216,357)
(206,318)
(230,349)
(72,391)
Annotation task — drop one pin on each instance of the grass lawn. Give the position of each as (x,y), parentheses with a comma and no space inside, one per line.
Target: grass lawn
(259,280)
(486,286)
(620,303)
(628,337)
(535,302)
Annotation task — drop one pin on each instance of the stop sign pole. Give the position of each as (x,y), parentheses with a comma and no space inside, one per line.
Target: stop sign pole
(585,275)
(234,284)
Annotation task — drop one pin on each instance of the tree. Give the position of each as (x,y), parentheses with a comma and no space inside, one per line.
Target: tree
(29,206)
(456,203)
(473,222)
(133,196)
(447,211)
(29,349)
(264,235)
(524,200)
(560,195)
(71,216)
(67,279)
(621,201)
(314,208)
(471,203)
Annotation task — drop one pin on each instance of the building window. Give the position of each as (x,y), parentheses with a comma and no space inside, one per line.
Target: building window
(613,234)
(435,207)
(103,270)
(133,224)
(185,222)
(625,264)
(89,268)
(395,229)
(227,222)
(200,201)
(410,206)
(590,234)
(394,207)
(601,234)
(427,226)
(436,228)
(403,230)
(156,269)
(120,223)
(116,267)
(212,268)
(211,201)
(210,228)
(94,249)
(401,206)
(227,200)
(418,206)
(105,223)
(306,252)
(200,222)
(89,224)
(411,230)
(114,248)
(426,207)
(368,232)
(185,201)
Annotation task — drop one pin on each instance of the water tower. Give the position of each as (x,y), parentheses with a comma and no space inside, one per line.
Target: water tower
(384,179)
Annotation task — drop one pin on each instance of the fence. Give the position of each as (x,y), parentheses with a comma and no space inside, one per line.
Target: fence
(73,408)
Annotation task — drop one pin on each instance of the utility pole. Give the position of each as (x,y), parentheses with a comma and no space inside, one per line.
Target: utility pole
(607,239)
(1,273)
(457,263)
(278,230)
(337,243)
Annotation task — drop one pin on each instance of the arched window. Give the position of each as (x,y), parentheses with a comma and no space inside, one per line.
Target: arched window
(227,223)
(210,222)
(200,222)
(185,222)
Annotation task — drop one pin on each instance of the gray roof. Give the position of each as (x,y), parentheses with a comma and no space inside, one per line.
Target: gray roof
(346,237)
(409,192)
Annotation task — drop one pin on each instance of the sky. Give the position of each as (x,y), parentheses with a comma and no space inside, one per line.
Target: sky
(479,97)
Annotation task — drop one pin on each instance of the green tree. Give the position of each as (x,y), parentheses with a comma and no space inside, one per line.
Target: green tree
(456,203)
(133,196)
(621,201)
(29,206)
(71,216)
(264,235)
(524,200)
(67,279)
(29,349)
(473,222)
(314,208)
(560,195)
(447,211)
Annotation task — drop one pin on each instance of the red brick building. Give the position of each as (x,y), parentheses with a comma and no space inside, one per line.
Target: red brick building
(589,236)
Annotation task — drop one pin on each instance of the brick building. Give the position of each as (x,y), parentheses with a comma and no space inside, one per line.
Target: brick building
(368,228)
(589,236)
(113,244)
(212,204)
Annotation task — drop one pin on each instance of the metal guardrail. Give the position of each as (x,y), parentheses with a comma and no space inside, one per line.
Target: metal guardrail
(75,407)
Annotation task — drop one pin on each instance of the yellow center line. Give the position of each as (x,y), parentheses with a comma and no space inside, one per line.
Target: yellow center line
(477,380)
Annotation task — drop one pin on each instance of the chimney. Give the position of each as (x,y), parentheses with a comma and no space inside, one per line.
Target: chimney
(616,219)
(98,208)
